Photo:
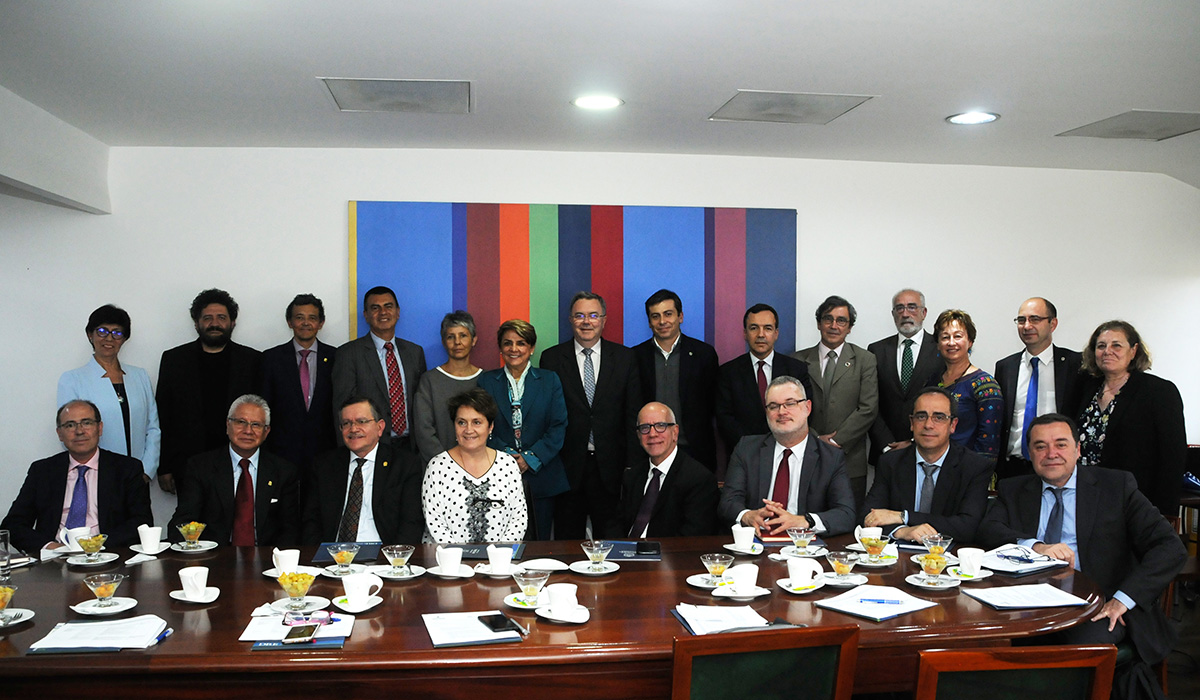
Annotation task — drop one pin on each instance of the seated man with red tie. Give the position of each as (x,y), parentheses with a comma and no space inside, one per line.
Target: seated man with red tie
(262,510)
(669,495)
(82,487)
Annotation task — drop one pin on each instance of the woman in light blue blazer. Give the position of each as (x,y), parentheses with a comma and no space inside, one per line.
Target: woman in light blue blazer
(121,392)
(532,422)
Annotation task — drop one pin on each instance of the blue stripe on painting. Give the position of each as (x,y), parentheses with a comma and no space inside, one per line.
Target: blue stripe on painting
(459,255)
(408,246)
(574,258)
(710,273)
(664,248)
(771,267)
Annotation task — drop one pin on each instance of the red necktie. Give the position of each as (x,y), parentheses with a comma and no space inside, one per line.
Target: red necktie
(762,383)
(243,508)
(305,377)
(395,392)
(783,478)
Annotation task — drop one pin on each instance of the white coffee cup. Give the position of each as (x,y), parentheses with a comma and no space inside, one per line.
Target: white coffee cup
(562,598)
(500,559)
(449,559)
(360,587)
(802,571)
(285,560)
(150,537)
(744,577)
(743,537)
(970,560)
(873,532)
(74,534)
(194,580)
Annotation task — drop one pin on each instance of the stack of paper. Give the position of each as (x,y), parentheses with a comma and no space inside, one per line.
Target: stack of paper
(461,629)
(138,632)
(1036,595)
(271,628)
(992,560)
(876,603)
(706,619)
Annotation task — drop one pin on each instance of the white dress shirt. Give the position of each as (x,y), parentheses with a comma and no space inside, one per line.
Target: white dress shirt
(1046,399)
(664,468)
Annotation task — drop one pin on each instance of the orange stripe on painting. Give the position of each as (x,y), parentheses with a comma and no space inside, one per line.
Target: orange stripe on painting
(514,261)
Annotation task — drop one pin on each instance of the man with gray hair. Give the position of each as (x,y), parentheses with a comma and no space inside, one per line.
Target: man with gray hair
(244,495)
(903,362)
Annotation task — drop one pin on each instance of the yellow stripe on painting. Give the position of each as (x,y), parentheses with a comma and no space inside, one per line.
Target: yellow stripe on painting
(352,319)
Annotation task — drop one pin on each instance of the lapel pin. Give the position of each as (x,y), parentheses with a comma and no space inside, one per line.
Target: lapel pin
(847,363)
(270,483)
(385,464)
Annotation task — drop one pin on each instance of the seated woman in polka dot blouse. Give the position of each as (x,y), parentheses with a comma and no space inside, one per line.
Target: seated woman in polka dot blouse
(471,492)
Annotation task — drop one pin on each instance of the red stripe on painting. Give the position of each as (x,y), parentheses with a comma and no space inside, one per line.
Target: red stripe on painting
(729,279)
(514,262)
(608,267)
(483,283)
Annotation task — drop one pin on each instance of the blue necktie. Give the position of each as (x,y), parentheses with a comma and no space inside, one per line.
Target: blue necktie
(77,515)
(1030,406)
(1055,522)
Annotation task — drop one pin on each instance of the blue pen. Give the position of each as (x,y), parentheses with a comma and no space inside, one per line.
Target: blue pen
(881,601)
(165,633)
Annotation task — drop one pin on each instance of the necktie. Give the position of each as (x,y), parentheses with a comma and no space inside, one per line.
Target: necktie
(762,383)
(77,515)
(1030,406)
(830,365)
(927,486)
(783,478)
(647,507)
(395,392)
(243,508)
(906,364)
(305,378)
(348,529)
(589,375)
(1054,524)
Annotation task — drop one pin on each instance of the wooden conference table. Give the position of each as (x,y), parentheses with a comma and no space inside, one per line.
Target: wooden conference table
(624,650)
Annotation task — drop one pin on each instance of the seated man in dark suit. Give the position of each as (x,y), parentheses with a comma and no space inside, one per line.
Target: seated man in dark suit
(1097,520)
(367,491)
(742,382)
(932,486)
(788,478)
(671,494)
(262,510)
(82,487)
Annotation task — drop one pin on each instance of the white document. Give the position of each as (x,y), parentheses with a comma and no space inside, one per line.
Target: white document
(992,560)
(1034,595)
(458,629)
(133,633)
(706,619)
(875,602)
(272,629)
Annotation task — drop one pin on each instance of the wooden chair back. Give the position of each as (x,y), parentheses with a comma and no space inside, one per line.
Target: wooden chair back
(1062,672)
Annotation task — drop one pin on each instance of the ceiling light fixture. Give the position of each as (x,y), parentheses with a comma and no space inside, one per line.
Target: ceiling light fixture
(972,118)
(597,102)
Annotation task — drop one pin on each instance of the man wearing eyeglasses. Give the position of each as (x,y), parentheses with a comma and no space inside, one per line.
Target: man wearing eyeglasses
(602,391)
(243,494)
(84,486)
(670,494)
(845,397)
(788,478)
(1034,382)
(904,361)
(932,486)
(1096,520)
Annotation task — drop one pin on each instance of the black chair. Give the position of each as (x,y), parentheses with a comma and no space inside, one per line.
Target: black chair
(1061,672)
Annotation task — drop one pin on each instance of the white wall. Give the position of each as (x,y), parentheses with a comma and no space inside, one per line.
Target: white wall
(266,224)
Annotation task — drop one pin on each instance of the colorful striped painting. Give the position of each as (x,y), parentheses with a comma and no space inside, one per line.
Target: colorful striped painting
(503,261)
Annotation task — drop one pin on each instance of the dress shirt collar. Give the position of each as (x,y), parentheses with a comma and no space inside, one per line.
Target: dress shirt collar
(916,339)
(825,349)
(769,361)
(237,459)
(797,450)
(939,461)
(1070,482)
(297,347)
(665,466)
(595,348)
(93,462)
(667,353)
(380,341)
(1044,357)
(370,457)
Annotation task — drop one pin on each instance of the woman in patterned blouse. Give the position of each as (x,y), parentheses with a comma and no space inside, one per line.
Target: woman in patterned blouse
(471,492)
(980,404)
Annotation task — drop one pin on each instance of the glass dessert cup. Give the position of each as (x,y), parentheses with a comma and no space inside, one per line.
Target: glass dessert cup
(296,585)
(191,534)
(531,582)
(842,563)
(716,565)
(343,554)
(398,555)
(104,587)
(91,546)
(597,551)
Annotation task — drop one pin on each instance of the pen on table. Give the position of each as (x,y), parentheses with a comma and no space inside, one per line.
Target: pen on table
(523,628)
(165,633)
(881,601)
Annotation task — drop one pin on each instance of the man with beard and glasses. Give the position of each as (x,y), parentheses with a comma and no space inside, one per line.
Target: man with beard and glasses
(197,382)
(903,362)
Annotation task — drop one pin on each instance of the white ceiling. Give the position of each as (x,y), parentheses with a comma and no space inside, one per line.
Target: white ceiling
(244,73)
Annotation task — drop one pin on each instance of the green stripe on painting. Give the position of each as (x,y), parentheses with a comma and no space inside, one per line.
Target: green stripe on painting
(543,274)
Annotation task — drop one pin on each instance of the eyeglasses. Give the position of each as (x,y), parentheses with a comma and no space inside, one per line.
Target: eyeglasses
(86,424)
(922,416)
(242,424)
(644,428)
(1020,320)
(320,617)
(840,321)
(580,318)
(103,332)
(1022,555)
(911,308)
(357,421)
(789,405)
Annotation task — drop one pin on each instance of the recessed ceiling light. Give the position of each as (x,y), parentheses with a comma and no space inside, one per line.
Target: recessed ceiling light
(597,102)
(969,118)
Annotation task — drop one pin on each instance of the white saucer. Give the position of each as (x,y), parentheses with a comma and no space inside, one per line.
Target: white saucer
(485,568)
(951,560)
(341,603)
(883,561)
(312,603)
(755,549)
(105,558)
(464,571)
(162,547)
(578,616)
(382,571)
(26,616)
(273,573)
(955,572)
(517,600)
(701,581)
(812,553)
(728,592)
(354,569)
(210,594)
(205,545)
(89,607)
(543,565)
(585,568)
(786,584)
(850,581)
(918,580)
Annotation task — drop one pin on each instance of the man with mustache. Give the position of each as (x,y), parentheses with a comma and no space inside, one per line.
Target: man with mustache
(904,361)
(197,381)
